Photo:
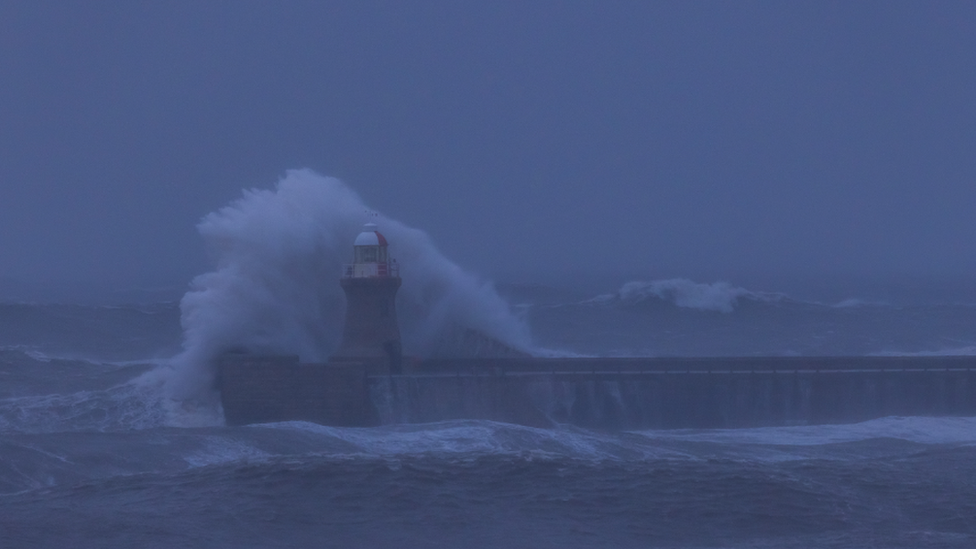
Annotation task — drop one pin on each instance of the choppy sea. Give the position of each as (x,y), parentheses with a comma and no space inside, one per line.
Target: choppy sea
(89,458)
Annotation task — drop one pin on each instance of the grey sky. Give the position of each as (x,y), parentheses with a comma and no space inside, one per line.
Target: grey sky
(529,139)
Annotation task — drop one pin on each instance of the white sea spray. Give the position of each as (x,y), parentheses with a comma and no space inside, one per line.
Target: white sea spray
(278,258)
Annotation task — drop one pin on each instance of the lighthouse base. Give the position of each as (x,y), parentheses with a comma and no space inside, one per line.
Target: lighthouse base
(371,335)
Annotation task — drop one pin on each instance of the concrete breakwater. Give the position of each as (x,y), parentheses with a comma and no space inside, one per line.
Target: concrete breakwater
(603,393)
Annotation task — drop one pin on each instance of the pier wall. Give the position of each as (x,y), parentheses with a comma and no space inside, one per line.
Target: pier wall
(261,389)
(676,400)
(608,393)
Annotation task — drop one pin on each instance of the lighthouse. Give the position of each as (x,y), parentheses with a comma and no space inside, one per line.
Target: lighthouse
(371,334)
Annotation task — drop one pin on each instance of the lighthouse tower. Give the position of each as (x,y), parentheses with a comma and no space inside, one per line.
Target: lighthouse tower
(371,334)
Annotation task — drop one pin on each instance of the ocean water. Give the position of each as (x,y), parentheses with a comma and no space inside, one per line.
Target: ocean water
(96,452)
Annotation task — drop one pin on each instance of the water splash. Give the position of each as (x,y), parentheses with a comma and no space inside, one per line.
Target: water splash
(279,255)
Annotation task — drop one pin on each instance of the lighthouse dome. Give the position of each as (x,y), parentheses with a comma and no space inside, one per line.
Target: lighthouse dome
(370,236)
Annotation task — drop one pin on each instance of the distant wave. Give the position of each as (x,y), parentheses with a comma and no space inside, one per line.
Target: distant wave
(967,350)
(109,333)
(855,302)
(717,296)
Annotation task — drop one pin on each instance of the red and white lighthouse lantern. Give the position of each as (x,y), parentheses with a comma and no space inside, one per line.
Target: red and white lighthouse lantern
(370,256)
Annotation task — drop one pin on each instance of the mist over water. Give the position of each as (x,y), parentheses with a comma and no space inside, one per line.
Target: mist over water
(111,433)
(279,256)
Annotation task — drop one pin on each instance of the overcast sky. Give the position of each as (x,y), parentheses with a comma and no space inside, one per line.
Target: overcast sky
(708,140)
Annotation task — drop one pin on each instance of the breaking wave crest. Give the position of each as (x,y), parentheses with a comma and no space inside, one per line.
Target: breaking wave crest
(279,255)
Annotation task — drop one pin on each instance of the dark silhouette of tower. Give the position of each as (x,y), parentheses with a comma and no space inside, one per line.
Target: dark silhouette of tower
(371,335)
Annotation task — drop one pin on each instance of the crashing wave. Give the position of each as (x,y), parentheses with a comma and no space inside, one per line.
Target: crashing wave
(279,255)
